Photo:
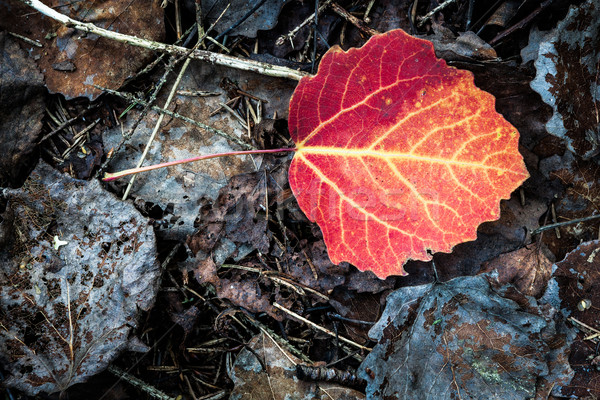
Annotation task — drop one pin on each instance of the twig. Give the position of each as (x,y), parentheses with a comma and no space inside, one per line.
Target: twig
(151,390)
(432,12)
(292,34)
(559,224)
(79,137)
(169,99)
(580,324)
(26,39)
(554,220)
(197,93)
(315,38)
(289,347)
(295,286)
(57,129)
(353,20)
(202,55)
(522,23)
(188,35)
(367,11)
(233,114)
(470,14)
(320,328)
(157,125)
(213,396)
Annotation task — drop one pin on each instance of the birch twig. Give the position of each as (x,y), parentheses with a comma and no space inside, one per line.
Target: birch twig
(202,55)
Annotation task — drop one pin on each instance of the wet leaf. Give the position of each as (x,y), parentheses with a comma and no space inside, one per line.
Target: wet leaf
(67,312)
(21,110)
(567,63)
(398,155)
(234,229)
(463,339)
(181,191)
(527,269)
(72,60)
(467,46)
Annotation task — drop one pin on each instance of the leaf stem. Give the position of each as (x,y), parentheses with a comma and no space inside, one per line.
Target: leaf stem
(133,171)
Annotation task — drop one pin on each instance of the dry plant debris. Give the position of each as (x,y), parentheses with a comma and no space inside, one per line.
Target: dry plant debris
(264,370)
(578,276)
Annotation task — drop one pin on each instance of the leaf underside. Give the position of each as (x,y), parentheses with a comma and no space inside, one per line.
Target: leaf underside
(398,154)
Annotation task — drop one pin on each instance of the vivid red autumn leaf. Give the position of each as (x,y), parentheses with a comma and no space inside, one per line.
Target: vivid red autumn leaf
(398,155)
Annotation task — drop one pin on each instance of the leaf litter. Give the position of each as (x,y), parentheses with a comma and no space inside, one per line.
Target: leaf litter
(248,282)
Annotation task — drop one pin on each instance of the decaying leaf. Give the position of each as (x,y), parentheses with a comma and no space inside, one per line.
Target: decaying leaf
(567,77)
(578,277)
(398,155)
(462,339)
(580,198)
(278,381)
(265,17)
(21,110)
(76,267)
(72,60)
(527,269)
(467,46)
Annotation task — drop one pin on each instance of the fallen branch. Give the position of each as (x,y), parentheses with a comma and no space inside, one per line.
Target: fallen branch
(202,55)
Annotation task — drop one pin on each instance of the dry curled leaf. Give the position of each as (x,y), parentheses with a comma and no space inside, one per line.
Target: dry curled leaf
(72,60)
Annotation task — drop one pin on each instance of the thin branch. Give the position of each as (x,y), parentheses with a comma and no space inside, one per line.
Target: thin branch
(565,223)
(202,55)
(320,328)
(157,126)
(360,24)
(132,380)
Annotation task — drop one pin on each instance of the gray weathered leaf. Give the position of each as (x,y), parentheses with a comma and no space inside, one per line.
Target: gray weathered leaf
(567,65)
(76,266)
(461,339)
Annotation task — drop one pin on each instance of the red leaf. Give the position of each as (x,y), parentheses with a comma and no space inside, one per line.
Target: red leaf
(399,155)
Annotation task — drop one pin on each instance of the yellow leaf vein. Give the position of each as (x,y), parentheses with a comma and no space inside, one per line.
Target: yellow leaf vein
(347,199)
